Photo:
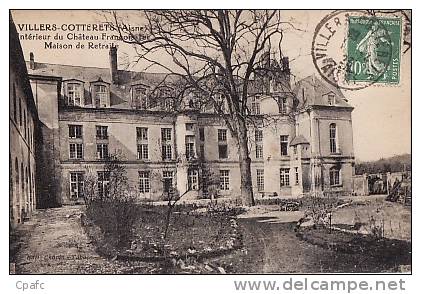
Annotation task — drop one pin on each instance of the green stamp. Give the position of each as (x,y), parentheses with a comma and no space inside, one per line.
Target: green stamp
(374,50)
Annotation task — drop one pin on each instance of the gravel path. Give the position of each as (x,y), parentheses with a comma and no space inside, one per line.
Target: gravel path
(53,242)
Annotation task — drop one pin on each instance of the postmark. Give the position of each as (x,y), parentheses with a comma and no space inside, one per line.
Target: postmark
(355,49)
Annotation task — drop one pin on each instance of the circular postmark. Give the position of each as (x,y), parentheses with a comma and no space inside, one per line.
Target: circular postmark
(353,49)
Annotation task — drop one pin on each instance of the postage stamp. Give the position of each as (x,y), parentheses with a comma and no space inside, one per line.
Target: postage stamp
(353,50)
(374,49)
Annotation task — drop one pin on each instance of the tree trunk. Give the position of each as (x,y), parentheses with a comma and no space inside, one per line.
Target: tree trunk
(245,165)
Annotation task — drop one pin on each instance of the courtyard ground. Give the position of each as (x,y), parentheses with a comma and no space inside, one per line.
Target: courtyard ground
(53,241)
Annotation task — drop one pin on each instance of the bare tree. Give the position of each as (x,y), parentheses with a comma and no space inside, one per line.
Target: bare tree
(216,55)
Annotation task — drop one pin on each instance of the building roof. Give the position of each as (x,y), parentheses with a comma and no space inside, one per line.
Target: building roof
(313,91)
(120,93)
(308,91)
(300,139)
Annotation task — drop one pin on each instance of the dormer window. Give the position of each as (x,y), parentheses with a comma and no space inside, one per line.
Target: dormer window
(74,94)
(331,99)
(140,99)
(282,103)
(220,103)
(100,94)
(255,105)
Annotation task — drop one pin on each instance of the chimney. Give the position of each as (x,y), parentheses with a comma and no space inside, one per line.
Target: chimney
(31,61)
(113,65)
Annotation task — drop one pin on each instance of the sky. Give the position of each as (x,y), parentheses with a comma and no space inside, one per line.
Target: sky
(381,116)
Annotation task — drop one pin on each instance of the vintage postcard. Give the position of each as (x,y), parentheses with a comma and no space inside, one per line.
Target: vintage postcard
(210,142)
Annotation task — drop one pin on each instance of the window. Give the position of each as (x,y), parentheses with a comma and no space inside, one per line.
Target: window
(260,180)
(282,102)
(75,131)
(142,151)
(76,185)
(144,182)
(14,103)
(17,172)
(258,136)
(190,153)
(189,127)
(219,104)
(222,135)
(331,99)
(223,151)
(139,98)
(142,134)
(224,180)
(168,104)
(297,179)
(202,134)
(284,145)
(255,105)
(74,94)
(167,177)
(202,151)
(142,143)
(295,150)
(22,178)
(335,176)
(20,112)
(192,179)
(103,183)
(102,151)
(166,152)
(332,138)
(76,150)
(166,134)
(101,96)
(222,144)
(24,123)
(102,132)
(259,151)
(284,179)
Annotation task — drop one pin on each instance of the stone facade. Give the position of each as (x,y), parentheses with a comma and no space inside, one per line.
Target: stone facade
(309,148)
(23,124)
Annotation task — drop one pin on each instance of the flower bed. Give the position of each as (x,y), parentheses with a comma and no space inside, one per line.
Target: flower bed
(191,235)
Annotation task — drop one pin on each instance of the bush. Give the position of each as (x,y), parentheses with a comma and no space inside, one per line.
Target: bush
(115,218)
(113,210)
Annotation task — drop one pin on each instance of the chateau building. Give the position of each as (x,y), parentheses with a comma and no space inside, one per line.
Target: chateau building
(300,135)
(23,123)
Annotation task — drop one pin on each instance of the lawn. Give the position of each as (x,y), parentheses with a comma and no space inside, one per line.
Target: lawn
(393,218)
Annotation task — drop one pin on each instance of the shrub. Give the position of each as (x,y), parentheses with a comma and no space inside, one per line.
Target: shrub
(114,210)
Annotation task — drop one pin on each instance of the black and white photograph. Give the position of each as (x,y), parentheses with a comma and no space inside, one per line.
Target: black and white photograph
(210,142)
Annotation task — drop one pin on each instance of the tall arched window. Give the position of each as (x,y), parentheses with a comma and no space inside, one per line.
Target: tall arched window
(14,103)
(17,173)
(22,179)
(27,181)
(333,138)
(20,112)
